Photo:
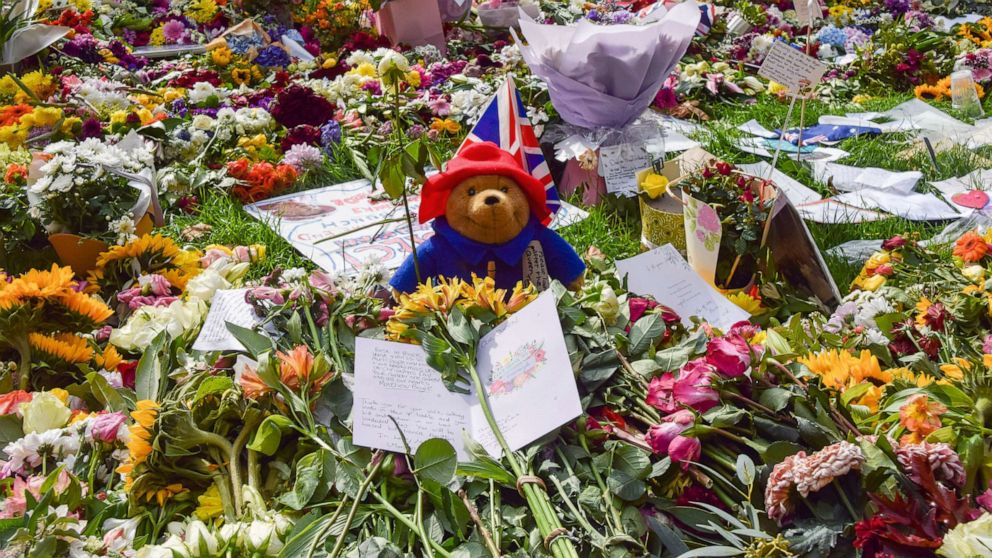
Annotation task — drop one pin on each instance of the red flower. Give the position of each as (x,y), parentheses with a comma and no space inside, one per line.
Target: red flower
(724,168)
(127,370)
(297,105)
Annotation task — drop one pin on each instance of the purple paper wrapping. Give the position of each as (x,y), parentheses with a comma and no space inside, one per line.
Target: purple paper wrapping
(606,76)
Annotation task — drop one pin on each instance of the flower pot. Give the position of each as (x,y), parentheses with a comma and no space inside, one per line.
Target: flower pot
(661,223)
(81,253)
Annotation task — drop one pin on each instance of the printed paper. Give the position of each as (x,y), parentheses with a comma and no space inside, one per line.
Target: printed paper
(523,365)
(703,232)
(665,275)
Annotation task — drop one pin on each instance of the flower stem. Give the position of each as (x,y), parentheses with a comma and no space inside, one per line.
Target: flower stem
(20,344)
(362,489)
(440,550)
(474,514)
(537,499)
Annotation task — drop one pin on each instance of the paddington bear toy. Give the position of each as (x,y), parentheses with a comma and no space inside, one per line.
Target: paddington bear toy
(490,219)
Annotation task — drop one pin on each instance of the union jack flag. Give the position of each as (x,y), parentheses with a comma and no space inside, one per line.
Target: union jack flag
(505,123)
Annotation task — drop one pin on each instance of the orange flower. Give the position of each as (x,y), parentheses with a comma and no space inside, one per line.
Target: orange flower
(295,366)
(971,247)
(252,385)
(15,173)
(921,417)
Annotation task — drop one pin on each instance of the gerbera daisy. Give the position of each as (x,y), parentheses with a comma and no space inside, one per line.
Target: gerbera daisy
(971,247)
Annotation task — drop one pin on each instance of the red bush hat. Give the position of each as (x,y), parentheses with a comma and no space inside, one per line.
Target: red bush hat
(480,158)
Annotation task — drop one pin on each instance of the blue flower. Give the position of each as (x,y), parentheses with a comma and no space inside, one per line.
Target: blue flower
(832,36)
(273,56)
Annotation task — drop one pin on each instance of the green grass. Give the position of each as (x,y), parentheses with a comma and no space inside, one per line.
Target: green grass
(614,227)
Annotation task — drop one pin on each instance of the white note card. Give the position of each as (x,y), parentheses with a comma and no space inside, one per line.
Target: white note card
(228,305)
(619,165)
(790,67)
(523,365)
(664,274)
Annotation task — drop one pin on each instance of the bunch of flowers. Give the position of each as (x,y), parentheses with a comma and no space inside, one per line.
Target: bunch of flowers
(257,181)
(743,204)
(87,189)
(941,90)
(44,317)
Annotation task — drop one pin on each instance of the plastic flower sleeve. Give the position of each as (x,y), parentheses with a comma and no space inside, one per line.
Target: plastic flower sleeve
(606,76)
(30,38)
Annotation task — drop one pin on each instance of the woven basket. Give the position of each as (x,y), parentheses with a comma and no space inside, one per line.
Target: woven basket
(662,222)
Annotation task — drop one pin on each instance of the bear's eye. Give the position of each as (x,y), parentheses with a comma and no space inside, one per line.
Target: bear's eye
(504,189)
(471,191)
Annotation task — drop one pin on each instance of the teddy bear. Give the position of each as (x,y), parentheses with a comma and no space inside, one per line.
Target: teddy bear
(490,219)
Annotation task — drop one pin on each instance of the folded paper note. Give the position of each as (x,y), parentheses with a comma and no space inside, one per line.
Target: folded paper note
(664,274)
(524,368)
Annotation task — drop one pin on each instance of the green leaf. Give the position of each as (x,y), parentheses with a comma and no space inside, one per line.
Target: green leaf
(269,434)
(645,367)
(778,451)
(105,393)
(674,358)
(645,332)
(392,177)
(254,342)
(625,485)
(660,467)
(635,461)
(10,430)
(148,375)
(775,398)
(311,474)
(712,551)
(213,385)
(308,532)
(669,538)
(436,460)
(746,470)
(460,328)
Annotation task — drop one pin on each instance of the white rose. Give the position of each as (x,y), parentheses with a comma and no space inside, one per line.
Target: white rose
(200,539)
(44,412)
(204,285)
(261,537)
(203,122)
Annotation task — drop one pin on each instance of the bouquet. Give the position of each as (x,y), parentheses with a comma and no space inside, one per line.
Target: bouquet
(743,206)
(93,189)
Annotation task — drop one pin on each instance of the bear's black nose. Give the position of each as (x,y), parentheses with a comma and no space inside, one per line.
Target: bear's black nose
(492,200)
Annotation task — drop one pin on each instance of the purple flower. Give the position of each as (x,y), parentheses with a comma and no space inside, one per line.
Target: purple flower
(273,57)
(91,129)
(173,31)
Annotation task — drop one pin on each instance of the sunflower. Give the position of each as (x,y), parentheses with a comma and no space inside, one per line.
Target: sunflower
(929,92)
(37,284)
(109,359)
(85,306)
(139,442)
(65,347)
(146,254)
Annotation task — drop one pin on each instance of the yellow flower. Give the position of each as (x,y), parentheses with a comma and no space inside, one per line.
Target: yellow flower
(221,56)
(870,283)
(86,306)
(211,504)
(202,11)
(66,347)
(746,302)
(365,69)
(413,78)
(329,63)
(484,294)
(109,359)
(157,37)
(241,75)
(61,394)
(447,126)
(118,117)
(861,99)
(774,88)
(520,297)
(841,370)
(654,185)
(956,370)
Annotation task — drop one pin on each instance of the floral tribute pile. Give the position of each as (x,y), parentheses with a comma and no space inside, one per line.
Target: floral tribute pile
(803,431)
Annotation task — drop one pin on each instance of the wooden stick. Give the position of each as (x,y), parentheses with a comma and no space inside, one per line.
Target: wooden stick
(474,514)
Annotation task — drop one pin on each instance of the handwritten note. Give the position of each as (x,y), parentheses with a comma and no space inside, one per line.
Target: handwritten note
(791,68)
(619,165)
(664,274)
(535,267)
(227,306)
(524,368)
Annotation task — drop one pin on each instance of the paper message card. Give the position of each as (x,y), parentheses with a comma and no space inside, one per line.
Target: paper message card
(227,306)
(619,165)
(791,68)
(664,274)
(524,368)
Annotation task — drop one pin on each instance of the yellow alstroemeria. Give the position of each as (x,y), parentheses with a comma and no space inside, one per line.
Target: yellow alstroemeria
(447,126)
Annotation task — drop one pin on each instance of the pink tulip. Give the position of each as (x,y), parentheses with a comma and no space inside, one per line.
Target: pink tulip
(660,436)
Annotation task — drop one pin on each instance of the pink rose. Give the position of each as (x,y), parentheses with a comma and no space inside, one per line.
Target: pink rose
(212,255)
(684,450)
(691,389)
(106,426)
(729,354)
(155,284)
(660,436)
